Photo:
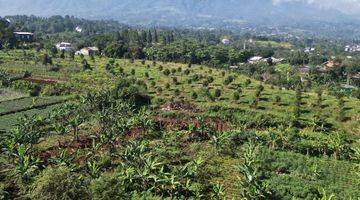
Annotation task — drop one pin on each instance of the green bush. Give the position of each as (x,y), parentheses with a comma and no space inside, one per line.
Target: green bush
(194,95)
(166,72)
(236,96)
(217,93)
(58,183)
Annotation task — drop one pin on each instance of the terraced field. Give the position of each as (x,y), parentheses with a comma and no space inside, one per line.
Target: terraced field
(197,112)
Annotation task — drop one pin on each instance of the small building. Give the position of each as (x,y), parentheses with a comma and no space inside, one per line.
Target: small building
(309,49)
(64,46)
(78,29)
(225,41)
(8,21)
(24,36)
(277,60)
(255,59)
(88,51)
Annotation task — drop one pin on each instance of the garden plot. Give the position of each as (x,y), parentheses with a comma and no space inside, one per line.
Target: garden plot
(28,103)
(8,94)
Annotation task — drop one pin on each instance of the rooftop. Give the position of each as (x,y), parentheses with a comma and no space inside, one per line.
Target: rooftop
(24,33)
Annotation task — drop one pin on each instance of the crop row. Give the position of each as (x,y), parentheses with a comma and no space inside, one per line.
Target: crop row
(28,103)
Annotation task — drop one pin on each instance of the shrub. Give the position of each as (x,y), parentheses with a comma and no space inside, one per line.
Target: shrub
(160,68)
(143,62)
(210,79)
(47,59)
(159,90)
(167,86)
(121,70)
(86,65)
(228,80)
(239,90)
(58,183)
(236,96)
(179,69)
(133,72)
(277,99)
(194,95)
(205,83)
(147,74)
(260,88)
(223,73)
(173,71)
(217,93)
(62,55)
(247,82)
(196,77)
(341,114)
(107,187)
(166,72)
(35,91)
(187,72)
(254,103)
(174,80)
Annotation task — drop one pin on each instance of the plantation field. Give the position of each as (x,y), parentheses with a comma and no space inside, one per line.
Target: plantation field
(204,130)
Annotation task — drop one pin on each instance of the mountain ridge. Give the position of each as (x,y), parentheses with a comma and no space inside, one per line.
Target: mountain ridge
(168,12)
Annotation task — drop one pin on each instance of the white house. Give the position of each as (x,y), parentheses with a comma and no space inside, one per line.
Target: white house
(64,46)
(225,41)
(277,60)
(87,51)
(255,59)
(24,36)
(78,29)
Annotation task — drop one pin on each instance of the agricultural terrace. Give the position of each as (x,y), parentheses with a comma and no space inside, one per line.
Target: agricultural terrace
(215,122)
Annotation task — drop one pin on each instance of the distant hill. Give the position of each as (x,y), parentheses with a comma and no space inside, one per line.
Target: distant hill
(179,12)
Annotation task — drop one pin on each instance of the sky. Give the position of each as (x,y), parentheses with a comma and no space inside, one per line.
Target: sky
(345,6)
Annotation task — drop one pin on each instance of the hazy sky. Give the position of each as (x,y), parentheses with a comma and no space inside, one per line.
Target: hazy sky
(346,6)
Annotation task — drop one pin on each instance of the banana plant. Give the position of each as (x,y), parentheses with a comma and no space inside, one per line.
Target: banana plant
(93,169)
(9,147)
(60,128)
(25,164)
(250,183)
(219,139)
(218,192)
(75,122)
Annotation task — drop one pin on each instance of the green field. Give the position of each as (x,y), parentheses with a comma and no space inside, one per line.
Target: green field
(294,162)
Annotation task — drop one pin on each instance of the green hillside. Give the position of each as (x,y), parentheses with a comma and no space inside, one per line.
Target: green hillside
(207,133)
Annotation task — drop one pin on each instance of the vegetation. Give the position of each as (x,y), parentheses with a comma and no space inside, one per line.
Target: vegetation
(161,118)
